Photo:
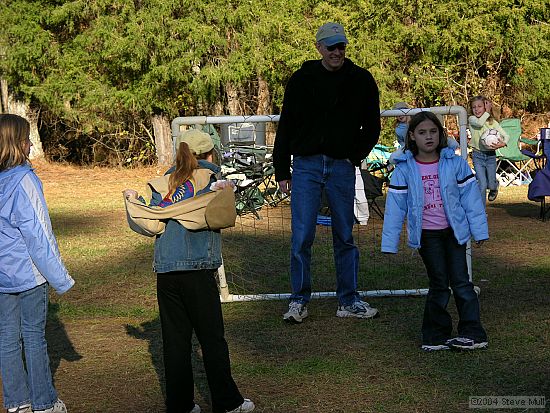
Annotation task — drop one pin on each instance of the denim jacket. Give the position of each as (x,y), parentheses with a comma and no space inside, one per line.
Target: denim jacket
(459,191)
(180,249)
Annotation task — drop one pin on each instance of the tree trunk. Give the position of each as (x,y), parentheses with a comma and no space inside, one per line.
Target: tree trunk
(163,140)
(233,104)
(264,108)
(217,109)
(17,107)
(4,96)
(264,99)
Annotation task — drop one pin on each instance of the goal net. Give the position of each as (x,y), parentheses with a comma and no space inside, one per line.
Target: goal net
(256,252)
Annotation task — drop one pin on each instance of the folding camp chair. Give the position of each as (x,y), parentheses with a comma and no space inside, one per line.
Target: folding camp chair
(539,188)
(245,166)
(540,155)
(245,161)
(373,190)
(378,161)
(270,187)
(513,167)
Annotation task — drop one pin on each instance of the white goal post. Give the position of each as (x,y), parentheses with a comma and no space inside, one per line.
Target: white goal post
(225,294)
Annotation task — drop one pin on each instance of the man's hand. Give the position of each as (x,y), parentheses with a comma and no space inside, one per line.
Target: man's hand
(285,186)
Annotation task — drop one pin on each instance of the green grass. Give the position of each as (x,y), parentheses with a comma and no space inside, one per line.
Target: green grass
(104,335)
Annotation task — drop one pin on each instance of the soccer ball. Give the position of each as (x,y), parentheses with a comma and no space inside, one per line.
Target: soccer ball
(489,138)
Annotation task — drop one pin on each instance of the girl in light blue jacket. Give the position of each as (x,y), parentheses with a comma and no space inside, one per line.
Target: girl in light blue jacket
(29,261)
(438,193)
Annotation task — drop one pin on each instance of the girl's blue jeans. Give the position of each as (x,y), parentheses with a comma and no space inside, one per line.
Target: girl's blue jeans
(445,261)
(23,329)
(310,175)
(485,165)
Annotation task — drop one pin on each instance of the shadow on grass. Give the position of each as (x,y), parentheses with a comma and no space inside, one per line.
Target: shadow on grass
(150,331)
(60,346)
(66,224)
(526,209)
(270,357)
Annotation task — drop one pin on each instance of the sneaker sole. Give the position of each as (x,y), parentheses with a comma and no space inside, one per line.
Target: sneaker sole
(294,320)
(430,349)
(347,314)
(476,346)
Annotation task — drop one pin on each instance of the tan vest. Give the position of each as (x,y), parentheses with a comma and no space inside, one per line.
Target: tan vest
(211,210)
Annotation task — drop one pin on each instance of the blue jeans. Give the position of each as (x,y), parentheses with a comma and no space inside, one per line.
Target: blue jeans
(23,328)
(445,261)
(310,175)
(485,165)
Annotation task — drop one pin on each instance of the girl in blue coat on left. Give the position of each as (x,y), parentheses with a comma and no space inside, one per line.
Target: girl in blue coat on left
(29,261)
(438,193)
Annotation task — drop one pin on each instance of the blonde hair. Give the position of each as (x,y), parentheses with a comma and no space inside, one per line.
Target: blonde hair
(483,99)
(14,132)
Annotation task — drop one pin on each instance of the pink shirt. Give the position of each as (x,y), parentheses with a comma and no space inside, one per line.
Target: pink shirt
(433,215)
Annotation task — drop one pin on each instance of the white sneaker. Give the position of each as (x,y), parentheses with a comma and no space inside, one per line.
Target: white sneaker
(58,407)
(464,343)
(196,409)
(247,406)
(359,309)
(435,347)
(296,312)
(26,408)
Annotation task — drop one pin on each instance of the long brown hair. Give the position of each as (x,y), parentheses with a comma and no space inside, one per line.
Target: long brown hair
(14,132)
(186,163)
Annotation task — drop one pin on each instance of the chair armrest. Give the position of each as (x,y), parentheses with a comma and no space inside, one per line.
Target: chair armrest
(529,141)
(530,154)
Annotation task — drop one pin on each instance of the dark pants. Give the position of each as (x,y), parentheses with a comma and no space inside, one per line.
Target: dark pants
(445,261)
(189,300)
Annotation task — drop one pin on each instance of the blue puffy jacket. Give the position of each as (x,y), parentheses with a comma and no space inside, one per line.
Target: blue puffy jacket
(459,191)
(29,255)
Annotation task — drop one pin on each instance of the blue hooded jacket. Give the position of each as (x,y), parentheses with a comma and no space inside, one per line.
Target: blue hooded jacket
(29,255)
(459,191)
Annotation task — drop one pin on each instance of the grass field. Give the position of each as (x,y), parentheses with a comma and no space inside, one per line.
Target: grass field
(104,335)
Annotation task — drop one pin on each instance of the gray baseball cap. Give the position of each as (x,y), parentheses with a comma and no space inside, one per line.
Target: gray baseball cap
(199,142)
(330,34)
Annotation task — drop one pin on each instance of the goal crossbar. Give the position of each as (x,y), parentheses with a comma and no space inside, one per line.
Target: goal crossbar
(225,295)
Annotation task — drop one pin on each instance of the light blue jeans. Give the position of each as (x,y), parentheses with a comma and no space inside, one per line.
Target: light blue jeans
(485,166)
(23,328)
(310,175)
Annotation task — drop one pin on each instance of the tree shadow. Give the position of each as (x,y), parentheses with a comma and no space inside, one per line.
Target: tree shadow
(151,332)
(59,344)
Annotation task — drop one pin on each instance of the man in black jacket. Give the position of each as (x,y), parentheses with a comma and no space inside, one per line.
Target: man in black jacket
(329,123)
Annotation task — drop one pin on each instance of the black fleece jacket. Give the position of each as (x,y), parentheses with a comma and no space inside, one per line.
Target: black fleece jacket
(330,113)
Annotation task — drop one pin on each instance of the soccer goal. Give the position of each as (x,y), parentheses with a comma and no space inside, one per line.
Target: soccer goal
(256,252)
